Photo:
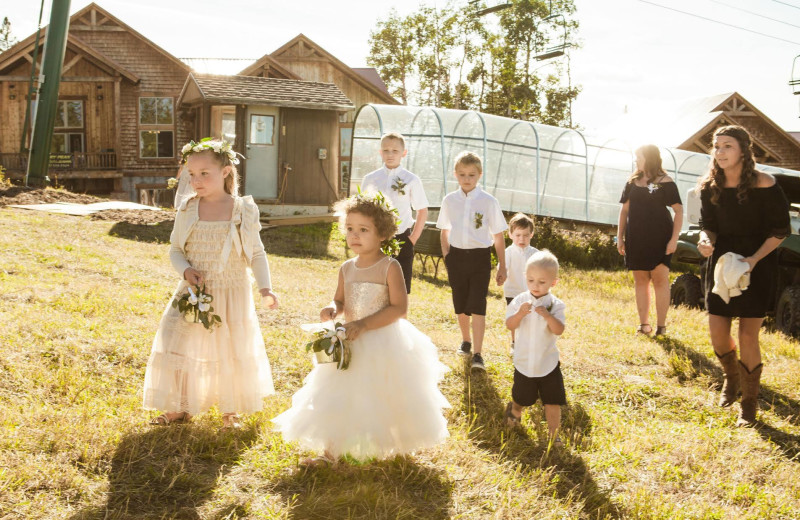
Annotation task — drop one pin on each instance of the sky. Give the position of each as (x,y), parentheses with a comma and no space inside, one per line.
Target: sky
(635,55)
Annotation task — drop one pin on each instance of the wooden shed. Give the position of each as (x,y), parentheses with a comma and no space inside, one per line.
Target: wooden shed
(286,129)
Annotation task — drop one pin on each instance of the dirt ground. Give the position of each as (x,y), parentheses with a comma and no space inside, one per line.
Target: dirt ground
(24,195)
(134,216)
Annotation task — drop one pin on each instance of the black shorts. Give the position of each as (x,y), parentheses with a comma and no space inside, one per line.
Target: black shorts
(550,388)
(469,271)
(406,257)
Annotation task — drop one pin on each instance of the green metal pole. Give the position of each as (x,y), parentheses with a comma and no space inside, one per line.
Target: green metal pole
(31,82)
(55,46)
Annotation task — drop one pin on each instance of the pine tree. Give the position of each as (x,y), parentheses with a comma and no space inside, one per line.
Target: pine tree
(7,40)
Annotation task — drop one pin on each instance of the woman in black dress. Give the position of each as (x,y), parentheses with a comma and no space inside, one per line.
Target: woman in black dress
(647,234)
(745,212)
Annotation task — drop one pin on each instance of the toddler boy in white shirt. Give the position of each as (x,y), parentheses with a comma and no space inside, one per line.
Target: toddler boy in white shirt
(471,222)
(520,231)
(405,191)
(538,317)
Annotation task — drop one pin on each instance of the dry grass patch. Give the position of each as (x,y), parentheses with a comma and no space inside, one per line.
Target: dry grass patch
(80,301)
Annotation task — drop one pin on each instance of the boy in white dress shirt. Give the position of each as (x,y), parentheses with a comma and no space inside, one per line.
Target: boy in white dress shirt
(538,317)
(405,191)
(471,222)
(520,231)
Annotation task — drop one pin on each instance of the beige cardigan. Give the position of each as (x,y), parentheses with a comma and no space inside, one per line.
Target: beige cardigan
(243,237)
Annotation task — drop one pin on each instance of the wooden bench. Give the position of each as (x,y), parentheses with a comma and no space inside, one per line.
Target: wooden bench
(429,247)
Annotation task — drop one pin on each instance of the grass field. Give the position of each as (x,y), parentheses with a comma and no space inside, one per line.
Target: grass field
(80,302)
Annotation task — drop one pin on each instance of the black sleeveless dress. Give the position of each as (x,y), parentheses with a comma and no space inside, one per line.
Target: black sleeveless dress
(649,225)
(743,228)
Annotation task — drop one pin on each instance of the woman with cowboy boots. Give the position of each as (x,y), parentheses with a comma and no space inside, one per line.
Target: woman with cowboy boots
(743,211)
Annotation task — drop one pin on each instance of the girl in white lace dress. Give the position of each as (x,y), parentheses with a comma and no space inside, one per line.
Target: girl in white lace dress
(214,240)
(387,402)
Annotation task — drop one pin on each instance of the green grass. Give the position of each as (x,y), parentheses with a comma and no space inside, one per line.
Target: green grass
(79,305)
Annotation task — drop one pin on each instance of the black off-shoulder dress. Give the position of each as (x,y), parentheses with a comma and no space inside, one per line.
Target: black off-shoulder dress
(649,225)
(743,228)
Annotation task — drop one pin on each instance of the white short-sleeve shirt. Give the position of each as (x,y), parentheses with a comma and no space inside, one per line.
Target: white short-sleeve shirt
(473,218)
(535,350)
(400,186)
(516,259)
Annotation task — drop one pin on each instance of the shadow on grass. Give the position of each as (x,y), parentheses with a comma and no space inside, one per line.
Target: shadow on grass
(154,233)
(168,472)
(572,479)
(788,443)
(687,364)
(311,240)
(394,488)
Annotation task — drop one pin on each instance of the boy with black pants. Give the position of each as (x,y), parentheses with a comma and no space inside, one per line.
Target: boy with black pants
(471,222)
(405,191)
(538,318)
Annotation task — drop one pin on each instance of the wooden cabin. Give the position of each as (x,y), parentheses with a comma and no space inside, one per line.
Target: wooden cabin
(126,106)
(771,144)
(117,129)
(287,130)
(301,58)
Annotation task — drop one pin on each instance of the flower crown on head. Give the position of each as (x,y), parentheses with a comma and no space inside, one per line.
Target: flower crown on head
(377,199)
(390,246)
(217,146)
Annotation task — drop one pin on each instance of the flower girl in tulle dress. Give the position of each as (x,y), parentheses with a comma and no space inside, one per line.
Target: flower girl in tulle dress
(194,366)
(387,402)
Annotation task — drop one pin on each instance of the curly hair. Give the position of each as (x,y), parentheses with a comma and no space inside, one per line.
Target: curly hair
(375,207)
(714,179)
(652,164)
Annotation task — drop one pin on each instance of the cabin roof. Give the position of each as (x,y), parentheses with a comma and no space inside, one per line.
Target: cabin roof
(301,40)
(250,90)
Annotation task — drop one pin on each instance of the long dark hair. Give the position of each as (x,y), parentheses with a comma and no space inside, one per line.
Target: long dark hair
(652,164)
(714,179)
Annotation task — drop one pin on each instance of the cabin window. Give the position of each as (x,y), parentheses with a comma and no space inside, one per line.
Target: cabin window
(156,127)
(262,129)
(68,134)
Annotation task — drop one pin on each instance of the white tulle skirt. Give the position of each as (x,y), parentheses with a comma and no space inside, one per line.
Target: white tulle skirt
(191,369)
(386,403)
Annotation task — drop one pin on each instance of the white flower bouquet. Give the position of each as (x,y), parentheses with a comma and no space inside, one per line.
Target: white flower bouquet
(330,344)
(196,307)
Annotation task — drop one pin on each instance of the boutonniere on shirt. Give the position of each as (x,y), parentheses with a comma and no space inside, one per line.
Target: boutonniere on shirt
(478,220)
(399,186)
(653,187)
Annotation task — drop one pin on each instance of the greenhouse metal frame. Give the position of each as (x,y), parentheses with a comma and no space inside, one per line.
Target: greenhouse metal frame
(529,167)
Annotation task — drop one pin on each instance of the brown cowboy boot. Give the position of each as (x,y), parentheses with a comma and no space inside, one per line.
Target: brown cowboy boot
(730,387)
(750,384)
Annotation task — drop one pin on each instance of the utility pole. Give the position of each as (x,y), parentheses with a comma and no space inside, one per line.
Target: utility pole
(55,46)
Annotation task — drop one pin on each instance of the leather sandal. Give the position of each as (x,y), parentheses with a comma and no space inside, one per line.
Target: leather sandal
(661,330)
(317,462)
(164,420)
(641,329)
(510,419)
(231,421)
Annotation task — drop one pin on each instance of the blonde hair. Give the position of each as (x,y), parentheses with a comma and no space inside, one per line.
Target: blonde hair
(467,158)
(521,221)
(223,158)
(394,135)
(543,259)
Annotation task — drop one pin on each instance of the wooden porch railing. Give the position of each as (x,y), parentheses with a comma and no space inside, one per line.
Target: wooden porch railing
(18,162)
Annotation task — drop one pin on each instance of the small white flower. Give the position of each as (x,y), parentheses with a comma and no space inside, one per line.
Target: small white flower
(329,333)
(203,306)
(341,333)
(186,148)
(193,299)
